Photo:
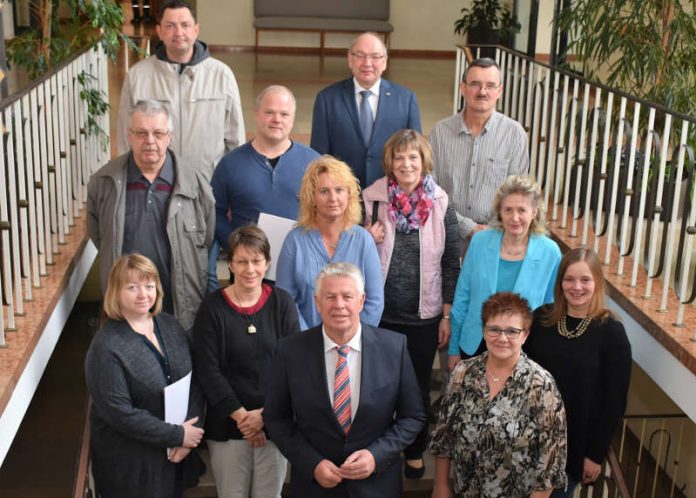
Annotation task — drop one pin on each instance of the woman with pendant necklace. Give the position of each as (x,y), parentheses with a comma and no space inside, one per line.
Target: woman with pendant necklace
(327,231)
(234,336)
(587,351)
(502,421)
(138,352)
(514,255)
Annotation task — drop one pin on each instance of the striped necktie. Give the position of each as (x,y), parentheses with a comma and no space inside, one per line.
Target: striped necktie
(341,404)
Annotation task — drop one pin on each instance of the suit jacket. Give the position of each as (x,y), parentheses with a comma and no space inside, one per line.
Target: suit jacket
(479,277)
(336,127)
(300,420)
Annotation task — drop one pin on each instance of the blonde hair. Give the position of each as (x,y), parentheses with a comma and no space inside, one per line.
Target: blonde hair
(340,173)
(118,276)
(403,141)
(598,308)
(524,185)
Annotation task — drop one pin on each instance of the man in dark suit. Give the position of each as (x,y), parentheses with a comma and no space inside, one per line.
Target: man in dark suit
(353,125)
(343,401)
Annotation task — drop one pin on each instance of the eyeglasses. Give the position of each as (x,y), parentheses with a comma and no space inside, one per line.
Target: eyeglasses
(247,262)
(363,57)
(144,134)
(479,85)
(510,332)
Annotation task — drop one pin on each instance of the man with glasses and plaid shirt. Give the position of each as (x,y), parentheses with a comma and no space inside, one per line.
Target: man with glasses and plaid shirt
(476,150)
(151,202)
(354,118)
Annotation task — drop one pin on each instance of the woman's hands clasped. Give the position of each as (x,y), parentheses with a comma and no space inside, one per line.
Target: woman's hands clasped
(250,424)
(192,435)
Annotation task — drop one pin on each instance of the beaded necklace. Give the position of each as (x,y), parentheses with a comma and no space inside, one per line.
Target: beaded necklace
(577,331)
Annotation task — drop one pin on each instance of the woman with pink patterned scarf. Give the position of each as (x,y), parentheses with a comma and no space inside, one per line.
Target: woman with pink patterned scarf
(415,228)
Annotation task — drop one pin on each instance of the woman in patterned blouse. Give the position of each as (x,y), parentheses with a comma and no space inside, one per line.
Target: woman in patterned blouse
(502,422)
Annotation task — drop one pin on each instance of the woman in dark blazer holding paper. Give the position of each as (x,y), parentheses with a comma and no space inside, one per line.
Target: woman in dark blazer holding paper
(134,356)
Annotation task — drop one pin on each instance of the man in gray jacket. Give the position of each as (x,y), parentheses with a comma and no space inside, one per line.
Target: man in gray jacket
(152,202)
(200,92)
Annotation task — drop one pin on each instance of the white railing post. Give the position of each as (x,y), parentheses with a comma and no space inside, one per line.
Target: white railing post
(629,198)
(672,237)
(643,195)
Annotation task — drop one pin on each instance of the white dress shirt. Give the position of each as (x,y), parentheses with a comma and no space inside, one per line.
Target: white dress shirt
(372,99)
(354,367)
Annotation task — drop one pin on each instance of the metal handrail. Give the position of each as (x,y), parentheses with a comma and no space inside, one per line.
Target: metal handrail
(10,99)
(616,474)
(472,49)
(82,485)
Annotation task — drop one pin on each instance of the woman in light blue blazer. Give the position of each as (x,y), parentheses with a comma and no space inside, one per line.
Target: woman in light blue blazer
(513,255)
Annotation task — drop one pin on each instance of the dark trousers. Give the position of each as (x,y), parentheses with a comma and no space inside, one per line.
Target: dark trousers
(422,345)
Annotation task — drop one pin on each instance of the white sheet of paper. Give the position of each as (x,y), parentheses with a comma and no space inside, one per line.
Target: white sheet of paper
(176,400)
(276,228)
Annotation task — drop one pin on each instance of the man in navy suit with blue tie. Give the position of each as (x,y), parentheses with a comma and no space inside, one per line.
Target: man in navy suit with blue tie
(354,118)
(343,400)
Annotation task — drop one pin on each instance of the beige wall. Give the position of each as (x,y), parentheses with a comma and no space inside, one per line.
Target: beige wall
(417,26)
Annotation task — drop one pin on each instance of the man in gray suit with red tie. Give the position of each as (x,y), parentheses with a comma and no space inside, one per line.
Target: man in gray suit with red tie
(354,118)
(343,400)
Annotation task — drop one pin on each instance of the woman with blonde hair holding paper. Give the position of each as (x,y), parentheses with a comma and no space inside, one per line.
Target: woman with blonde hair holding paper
(133,357)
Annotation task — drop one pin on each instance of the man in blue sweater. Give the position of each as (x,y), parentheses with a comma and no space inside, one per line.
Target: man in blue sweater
(264,174)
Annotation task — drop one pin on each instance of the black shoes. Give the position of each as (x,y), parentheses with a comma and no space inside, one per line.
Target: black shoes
(413,472)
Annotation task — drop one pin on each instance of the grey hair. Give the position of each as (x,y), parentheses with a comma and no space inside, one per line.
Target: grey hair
(151,108)
(276,89)
(347,270)
(371,33)
(482,62)
(523,185)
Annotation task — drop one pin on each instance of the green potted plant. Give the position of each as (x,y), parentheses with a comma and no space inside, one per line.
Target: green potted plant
(51,41)
(488,22)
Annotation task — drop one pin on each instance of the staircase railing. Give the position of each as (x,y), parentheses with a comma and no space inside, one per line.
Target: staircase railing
(46,158)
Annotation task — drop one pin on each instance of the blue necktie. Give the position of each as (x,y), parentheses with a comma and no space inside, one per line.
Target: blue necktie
(366,120)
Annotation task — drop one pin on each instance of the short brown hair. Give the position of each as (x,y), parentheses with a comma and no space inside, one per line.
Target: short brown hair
(175,4)
(560,303)
(507,303)
(527,186)
(404,140)
(118,276)
(251,237)
(339,172)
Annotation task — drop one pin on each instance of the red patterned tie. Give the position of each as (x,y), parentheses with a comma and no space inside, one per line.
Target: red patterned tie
(341,405)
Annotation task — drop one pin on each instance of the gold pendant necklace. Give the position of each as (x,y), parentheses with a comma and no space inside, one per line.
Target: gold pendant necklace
(577,331)
(251,328)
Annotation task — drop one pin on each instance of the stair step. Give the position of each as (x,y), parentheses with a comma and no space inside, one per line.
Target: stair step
(413,488)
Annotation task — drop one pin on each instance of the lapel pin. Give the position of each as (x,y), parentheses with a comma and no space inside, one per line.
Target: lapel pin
(388,94)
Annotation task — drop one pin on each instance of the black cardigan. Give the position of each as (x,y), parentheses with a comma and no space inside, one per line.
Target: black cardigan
(232,365)
(129,435)
(592,373)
